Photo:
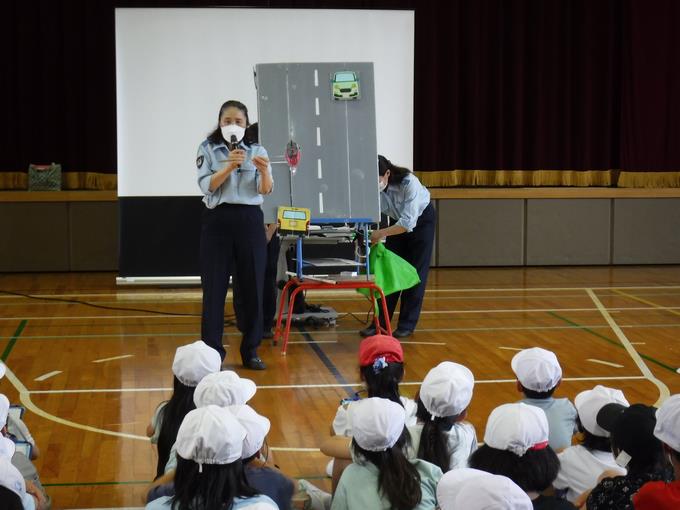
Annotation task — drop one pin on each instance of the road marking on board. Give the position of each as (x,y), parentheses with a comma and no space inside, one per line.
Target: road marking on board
(321,203)
(318,168)
(318,136)
(664,392)
(316,77)
(316,105)
(608,363)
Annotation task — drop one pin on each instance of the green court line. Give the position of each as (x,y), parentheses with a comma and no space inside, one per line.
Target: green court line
(13,340)
(613,342)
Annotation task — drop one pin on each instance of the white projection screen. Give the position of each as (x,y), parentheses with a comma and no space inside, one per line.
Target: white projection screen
(175,67)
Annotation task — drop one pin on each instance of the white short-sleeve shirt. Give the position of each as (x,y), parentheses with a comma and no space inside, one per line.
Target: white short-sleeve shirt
(580,468)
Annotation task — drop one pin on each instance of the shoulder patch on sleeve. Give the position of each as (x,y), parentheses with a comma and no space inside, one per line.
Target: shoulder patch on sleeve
(199,161)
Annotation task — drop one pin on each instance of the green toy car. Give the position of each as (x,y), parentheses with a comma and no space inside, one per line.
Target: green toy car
(345,85)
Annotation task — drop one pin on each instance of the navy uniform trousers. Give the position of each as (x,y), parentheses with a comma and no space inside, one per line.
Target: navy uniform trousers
(269,292)
(233,243)
(416,248)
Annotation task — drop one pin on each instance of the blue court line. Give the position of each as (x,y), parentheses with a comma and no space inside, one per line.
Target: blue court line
(326,361)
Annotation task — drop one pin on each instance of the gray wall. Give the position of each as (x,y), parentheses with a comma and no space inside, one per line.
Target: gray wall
(59,236)
(559,231)
(83,236)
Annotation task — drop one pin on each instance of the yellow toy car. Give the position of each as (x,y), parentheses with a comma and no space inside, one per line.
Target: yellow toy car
(345,85)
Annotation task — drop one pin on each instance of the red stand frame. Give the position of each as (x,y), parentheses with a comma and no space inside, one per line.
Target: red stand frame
(314,285)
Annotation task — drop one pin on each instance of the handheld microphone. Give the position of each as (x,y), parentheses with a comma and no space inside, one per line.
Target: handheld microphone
(233,142)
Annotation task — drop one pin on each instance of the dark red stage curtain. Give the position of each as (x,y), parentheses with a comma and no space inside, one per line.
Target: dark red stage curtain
(518,92)
(650,127)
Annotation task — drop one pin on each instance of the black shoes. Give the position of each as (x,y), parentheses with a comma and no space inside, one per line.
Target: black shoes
(398,333)
(402,333)
(254,364)
(369,331)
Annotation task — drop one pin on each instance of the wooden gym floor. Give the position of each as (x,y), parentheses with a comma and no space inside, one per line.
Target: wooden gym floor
(90,377)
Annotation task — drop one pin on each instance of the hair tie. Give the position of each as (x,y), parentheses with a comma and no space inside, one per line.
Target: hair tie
(540,446)
(379,364)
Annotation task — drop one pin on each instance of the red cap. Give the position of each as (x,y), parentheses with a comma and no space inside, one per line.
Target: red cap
(378,346)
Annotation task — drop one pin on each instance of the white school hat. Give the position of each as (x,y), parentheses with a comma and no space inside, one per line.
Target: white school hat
(471,489)
(447,389)
(210,435)
(225,388)
(537,369)
(667,427)
(588,403)
(517,428)
(377,423)
(194,361)
(11,478)
(257,427)
(7,447)
(4,410)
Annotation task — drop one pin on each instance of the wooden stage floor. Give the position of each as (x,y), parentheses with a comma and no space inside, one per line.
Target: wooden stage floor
(91,376)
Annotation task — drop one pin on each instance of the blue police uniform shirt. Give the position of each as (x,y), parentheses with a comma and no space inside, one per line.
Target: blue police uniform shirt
(405,202)
(241,185)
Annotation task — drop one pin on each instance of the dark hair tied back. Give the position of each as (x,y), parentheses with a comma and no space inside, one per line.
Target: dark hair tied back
(397,173)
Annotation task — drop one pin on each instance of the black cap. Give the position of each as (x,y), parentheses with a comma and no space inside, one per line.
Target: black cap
(633,432)
(608,414)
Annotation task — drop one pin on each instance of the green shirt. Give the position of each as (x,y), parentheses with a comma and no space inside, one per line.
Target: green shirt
(358,487)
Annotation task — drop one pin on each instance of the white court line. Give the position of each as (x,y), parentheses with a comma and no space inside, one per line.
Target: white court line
(357,312)
(103,360)
(664,392)
(601,362)
(318,386)
(25,398)
(292,449)
(136,295)
(410,342)
(354,332)
(47,375)
(195,297)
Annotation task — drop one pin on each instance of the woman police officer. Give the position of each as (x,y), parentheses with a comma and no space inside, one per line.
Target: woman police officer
(404,199)
(233,176)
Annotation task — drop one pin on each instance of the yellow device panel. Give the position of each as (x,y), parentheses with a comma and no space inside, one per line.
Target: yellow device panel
(293,220)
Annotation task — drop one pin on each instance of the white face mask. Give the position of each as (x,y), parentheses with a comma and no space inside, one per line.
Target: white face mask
(382,185)
(234,130)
